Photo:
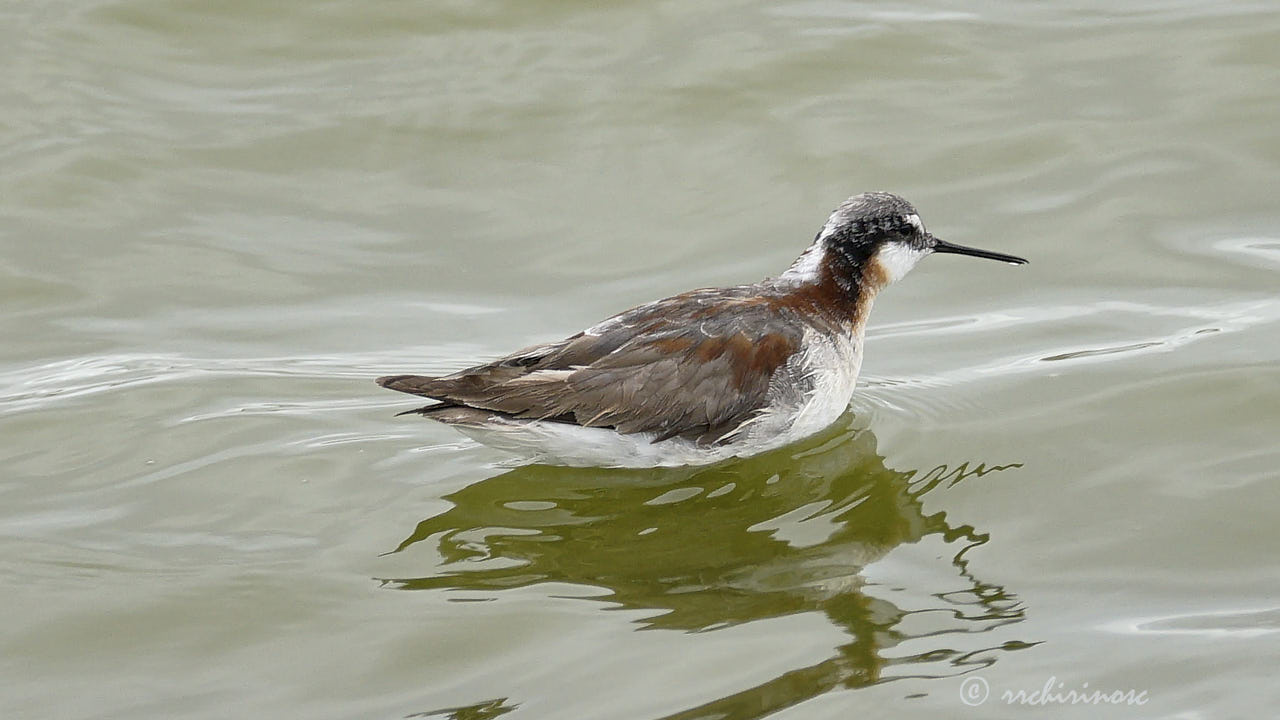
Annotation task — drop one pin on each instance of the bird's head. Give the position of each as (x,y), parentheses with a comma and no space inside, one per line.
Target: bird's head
(878,237)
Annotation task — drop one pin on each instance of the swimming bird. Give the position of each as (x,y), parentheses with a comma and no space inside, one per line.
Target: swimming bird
(701,376)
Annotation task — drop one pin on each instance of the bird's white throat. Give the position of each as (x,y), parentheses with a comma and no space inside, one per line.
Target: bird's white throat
(896,259)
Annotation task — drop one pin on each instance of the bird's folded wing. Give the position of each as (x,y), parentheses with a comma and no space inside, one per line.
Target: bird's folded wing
(637,372)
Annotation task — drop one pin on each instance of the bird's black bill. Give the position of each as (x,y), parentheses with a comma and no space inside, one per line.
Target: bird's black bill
(943,246)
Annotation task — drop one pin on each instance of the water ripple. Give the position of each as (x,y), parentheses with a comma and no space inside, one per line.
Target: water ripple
(29,388)
(1220,624)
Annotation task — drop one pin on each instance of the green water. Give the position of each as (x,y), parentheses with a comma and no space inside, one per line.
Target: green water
(219,222)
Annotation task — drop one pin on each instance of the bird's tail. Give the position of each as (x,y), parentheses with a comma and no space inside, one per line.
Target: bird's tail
(447,410)
(413,384)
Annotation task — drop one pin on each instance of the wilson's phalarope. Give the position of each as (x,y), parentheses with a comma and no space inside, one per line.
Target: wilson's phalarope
(704,375)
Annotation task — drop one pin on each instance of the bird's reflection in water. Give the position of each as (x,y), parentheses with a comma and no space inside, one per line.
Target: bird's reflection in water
(783,533)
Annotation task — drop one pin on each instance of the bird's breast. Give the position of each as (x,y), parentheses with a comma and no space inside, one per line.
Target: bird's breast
(814,388)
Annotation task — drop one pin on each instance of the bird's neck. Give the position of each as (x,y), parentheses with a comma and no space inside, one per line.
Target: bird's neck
(834,283)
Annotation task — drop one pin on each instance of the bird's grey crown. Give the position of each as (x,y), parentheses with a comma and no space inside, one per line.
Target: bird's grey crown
(870,217)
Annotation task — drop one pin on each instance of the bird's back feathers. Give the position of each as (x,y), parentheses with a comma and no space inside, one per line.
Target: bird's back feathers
(695,366)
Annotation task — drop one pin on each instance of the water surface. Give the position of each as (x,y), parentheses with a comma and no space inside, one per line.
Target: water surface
(219,222)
